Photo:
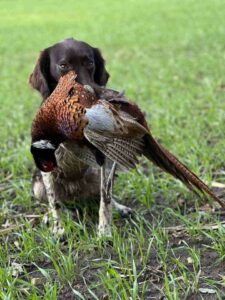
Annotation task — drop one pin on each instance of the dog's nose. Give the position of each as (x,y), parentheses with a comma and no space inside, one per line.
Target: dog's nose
(82,78)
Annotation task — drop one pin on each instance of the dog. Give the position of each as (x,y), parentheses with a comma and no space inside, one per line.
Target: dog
(77,183)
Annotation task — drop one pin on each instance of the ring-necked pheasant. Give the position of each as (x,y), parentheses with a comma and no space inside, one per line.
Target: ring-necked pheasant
(115,129)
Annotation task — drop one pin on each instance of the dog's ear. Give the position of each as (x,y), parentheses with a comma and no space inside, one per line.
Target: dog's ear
(40,78)
(101,76)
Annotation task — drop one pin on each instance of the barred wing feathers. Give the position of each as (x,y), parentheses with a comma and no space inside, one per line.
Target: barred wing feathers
(116,134)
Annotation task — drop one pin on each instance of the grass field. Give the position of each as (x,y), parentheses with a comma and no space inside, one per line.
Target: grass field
(169,57)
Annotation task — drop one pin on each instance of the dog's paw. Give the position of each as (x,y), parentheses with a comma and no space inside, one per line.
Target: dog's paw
(57,228)
(123,210)
(104,231)
(126,212)
(105,236)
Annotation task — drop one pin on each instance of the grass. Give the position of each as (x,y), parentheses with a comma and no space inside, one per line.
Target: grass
(168,56)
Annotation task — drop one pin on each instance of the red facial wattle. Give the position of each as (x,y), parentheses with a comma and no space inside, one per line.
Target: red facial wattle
(48,166)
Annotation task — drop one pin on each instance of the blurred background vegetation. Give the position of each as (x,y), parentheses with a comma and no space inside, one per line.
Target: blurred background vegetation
(167,55)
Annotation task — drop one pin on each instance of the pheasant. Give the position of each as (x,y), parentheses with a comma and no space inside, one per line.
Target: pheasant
(114,129)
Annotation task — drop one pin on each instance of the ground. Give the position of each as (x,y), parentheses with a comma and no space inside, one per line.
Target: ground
(169,57)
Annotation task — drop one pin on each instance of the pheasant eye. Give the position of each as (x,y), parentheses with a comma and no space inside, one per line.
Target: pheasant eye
(71,92)
(47,166)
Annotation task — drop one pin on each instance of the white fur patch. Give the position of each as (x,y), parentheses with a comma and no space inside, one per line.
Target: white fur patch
(39,190)
(43,144)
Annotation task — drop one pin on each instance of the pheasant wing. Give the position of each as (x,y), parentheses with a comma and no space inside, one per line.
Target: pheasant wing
(123,151)
(115,133)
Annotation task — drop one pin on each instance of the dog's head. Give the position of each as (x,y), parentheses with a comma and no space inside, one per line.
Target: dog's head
(62,57)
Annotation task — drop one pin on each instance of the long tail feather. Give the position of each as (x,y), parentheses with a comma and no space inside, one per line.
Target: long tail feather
(169,163)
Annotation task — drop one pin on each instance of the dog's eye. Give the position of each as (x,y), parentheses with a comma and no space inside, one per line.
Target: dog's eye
(88,63)
(63,66)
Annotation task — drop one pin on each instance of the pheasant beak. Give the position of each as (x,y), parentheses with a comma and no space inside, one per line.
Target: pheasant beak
(58,169)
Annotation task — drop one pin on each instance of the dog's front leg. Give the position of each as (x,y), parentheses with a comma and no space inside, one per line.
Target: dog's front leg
(54,206)
(105,210)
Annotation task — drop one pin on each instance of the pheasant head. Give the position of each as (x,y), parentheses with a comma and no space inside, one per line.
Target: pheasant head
(43,152)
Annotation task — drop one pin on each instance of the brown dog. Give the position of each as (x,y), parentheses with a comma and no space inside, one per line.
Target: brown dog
(75,183)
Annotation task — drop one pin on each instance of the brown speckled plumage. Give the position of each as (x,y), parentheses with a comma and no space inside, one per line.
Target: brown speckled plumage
(63,111)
